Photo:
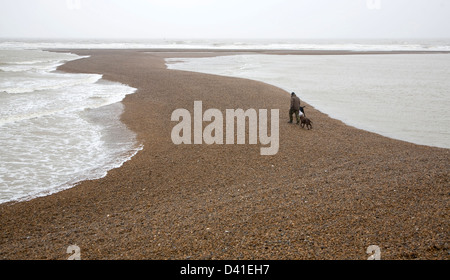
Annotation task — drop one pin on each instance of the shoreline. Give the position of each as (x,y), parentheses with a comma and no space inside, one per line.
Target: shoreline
(350,190)
(404,129)
(259,51)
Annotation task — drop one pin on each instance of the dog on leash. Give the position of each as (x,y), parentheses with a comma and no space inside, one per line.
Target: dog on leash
(305,121)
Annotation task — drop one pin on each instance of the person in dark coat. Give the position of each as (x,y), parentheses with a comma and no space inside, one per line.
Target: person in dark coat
(295,108)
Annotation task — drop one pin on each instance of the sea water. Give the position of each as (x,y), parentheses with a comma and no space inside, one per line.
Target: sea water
(235,44)
(56,129)
(406,97)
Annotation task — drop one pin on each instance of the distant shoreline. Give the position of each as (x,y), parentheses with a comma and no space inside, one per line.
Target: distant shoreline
(259,51)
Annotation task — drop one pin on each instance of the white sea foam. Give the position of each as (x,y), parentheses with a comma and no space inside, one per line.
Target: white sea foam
(221,44)
(57,129)
(404,97)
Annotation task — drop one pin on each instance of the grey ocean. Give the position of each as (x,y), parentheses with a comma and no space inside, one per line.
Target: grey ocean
(56,129)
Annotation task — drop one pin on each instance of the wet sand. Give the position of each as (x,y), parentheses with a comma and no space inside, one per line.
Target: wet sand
(329,193)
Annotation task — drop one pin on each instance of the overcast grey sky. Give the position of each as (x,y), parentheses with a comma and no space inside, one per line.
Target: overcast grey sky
(225,18)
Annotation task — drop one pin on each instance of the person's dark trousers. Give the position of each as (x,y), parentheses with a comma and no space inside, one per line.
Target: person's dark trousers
(296,112)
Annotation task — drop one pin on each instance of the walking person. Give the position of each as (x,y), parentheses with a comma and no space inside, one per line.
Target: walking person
(295,108)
